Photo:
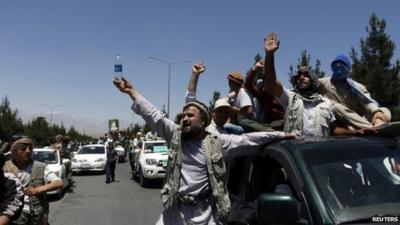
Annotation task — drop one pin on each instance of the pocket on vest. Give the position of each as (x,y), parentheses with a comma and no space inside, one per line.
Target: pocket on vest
(218,164)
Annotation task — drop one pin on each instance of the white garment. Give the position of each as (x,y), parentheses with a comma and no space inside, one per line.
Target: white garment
(24,176)
(242,100)
(13,206)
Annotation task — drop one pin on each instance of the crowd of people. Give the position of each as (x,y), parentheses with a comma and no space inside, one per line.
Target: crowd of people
(253,113)
(256,111)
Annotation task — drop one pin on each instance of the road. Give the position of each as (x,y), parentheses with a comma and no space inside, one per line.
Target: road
(92,201)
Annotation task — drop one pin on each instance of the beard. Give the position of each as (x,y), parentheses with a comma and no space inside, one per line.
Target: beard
(190,132)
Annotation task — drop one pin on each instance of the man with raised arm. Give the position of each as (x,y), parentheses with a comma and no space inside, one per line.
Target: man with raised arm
(307,113)
(221,111)
(195,188)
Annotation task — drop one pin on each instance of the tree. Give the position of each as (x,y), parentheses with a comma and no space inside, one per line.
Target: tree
(304,60)
(216,96)
(10,124)
(73,134)
(38,129)
(372,66)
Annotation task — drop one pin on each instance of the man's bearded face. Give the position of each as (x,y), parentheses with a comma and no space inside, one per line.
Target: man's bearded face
(191,122)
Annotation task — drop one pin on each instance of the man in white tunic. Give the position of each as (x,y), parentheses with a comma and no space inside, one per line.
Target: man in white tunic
(195,188)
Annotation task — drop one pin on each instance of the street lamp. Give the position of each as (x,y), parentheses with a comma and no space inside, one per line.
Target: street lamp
(169,74)
(51,111)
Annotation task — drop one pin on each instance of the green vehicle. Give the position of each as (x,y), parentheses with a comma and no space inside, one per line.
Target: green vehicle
(326,181)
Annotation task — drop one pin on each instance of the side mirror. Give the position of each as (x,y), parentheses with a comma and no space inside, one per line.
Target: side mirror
(64,161)
(277,208)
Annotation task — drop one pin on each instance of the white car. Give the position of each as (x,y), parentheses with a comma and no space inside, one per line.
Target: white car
(90,158)
(53,161)
(151,161)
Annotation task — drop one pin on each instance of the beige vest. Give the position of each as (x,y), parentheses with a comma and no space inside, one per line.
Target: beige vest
(294,116)
(216,169)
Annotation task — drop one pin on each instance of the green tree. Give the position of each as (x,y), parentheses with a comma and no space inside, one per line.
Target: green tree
(38,129)
(10,123)
(73,134)
(304,60)
(372,66)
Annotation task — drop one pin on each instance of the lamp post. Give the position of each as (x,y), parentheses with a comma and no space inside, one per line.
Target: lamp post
(169,75)
(51,111)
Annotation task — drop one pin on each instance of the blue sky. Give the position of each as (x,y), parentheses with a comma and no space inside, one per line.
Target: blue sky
(62,52)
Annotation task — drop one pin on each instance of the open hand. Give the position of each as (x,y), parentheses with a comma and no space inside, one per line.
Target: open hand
(271,43)
(366,131)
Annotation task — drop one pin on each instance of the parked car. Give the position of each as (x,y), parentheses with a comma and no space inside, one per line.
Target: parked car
(56,165)
(121,153)
(150,161)
(90,158)
(322,181)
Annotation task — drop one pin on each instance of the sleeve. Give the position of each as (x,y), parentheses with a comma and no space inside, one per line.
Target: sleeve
(245,99)
(248,143)
(284,99)
(50,175)
(13,196)
(190,96)
(156,119)
(371,107)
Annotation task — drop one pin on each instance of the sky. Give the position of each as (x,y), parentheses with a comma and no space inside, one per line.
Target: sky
(58,56)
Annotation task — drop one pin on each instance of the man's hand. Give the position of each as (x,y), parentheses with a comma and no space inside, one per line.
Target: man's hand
(379,118)
(198,68)
(366,131)
(123,85)
(31,191)
(259,65)
(271,43)
(289,136)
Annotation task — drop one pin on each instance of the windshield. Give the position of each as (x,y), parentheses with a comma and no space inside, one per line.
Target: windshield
(155,147)
(357,181)
(45,157)
(92,150)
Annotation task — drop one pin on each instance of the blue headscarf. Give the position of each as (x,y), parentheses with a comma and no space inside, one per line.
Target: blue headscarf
(341,68)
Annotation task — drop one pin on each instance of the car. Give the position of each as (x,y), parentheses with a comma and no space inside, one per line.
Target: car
(121,153)
(56,165)
(90,158)
(151,161)
(335,180)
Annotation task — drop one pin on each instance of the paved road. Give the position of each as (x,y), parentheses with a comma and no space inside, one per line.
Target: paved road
(92,201)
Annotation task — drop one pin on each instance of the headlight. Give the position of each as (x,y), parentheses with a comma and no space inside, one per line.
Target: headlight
(151,161)
(99,160)
(74,160)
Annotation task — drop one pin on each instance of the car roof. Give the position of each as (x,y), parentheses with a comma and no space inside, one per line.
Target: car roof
(45,149)
(332,142)
(94,145)
(154,141)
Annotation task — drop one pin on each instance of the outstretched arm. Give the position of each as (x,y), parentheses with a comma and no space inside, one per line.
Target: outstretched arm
(197,69)
(156,119)
(271,44)
(249,143)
